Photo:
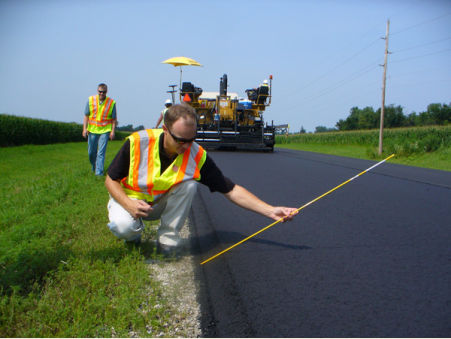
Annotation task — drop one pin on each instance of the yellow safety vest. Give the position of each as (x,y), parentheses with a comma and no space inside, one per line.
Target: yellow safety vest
(100,115)
(144,180)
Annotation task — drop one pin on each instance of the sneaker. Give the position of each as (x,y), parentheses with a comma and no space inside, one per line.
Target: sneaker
(135,242)
(168,251)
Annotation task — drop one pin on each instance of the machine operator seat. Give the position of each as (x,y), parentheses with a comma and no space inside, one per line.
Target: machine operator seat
(262,94)
(191,90)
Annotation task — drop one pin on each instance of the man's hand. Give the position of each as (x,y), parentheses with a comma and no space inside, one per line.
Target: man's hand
(85,127)
(138,208)
(112,134)
(242,197)
(287,213)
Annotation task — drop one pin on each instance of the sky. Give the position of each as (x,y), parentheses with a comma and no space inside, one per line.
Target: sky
(325,56)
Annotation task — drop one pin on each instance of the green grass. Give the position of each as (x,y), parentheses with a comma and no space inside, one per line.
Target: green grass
(428,146)
(62,273)
(440,159)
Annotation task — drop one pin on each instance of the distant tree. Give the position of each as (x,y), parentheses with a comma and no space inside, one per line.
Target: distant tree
(411,120)
(424,119)
(352,121)
(302,130)
(440,114)
(358,119)
(125,128)
(394,116)
(340,125)
(367,118)
(322,129)
(130,128)
(139,128)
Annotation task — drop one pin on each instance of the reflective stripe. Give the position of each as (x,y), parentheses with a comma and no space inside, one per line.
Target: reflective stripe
(100,116)
(198,158)
(100,123)
(145,180)
(93,106)
(106,108)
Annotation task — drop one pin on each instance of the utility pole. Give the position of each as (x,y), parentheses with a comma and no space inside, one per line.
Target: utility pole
(381,128)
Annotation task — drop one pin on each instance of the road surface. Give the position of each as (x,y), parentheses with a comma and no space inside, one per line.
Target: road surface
(372,259)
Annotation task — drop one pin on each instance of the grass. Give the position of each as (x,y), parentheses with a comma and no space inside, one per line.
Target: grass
(440,159)
(427,146)
(62,273)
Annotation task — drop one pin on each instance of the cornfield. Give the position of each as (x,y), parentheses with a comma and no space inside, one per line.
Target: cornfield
(402,141)
(16,131)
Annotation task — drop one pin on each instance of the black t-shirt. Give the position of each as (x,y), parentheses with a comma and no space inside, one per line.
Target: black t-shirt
(210,174)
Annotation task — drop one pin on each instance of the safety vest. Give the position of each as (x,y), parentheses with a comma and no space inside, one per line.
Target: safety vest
(144,180)
(100,115)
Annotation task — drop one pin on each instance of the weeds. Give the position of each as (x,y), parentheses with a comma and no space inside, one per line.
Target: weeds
(404,142)
(62,273)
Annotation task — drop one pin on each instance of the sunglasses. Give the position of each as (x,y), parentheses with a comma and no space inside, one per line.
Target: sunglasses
(102,92)
(181,141)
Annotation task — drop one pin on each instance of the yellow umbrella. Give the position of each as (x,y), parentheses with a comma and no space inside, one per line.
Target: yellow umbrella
(179,62)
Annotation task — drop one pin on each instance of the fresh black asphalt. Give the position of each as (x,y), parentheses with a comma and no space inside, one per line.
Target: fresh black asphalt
(371,259)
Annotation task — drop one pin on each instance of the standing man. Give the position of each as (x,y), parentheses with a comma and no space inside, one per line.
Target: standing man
(167,104)
(99,125)
(155,176)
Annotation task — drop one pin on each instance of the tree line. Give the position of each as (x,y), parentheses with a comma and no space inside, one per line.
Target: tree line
(130,128)
(368,118)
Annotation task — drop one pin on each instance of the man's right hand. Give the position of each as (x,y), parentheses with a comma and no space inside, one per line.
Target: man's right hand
(138,208)
(85,133)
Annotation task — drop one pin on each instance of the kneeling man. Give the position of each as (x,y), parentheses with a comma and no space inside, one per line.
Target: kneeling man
(155,176)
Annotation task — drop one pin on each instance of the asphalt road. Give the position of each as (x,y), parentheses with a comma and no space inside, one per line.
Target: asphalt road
(372,259)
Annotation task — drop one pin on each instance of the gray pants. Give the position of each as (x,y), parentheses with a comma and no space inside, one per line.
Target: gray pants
(172,209)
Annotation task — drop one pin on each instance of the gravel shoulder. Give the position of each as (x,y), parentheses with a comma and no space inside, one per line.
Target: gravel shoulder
(180,289)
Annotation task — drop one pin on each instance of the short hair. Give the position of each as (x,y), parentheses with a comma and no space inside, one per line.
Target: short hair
(176,112)
(102,85)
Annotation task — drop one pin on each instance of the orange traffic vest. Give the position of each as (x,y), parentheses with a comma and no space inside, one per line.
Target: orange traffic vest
(100,115)
(144,180)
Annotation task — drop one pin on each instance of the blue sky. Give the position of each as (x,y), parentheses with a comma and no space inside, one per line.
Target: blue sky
(325,56)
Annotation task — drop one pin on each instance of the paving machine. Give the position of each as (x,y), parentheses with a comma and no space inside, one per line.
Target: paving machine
(229,122)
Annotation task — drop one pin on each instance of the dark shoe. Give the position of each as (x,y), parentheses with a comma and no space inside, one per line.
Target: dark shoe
(135,242)
(168,251)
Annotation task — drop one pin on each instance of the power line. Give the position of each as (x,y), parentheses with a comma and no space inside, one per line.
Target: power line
(422,56)
(422,45)
(411,72)
(339,65)
(369,68)
(339,84)
(373,65)
(421,23)
(316,108)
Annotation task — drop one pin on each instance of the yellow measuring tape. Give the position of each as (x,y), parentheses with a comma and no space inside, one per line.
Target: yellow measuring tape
(300,208)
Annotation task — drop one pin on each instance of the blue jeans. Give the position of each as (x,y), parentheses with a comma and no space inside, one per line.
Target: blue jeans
(96,150)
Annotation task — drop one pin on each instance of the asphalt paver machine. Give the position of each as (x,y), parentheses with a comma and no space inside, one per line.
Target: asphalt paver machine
(226,121)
